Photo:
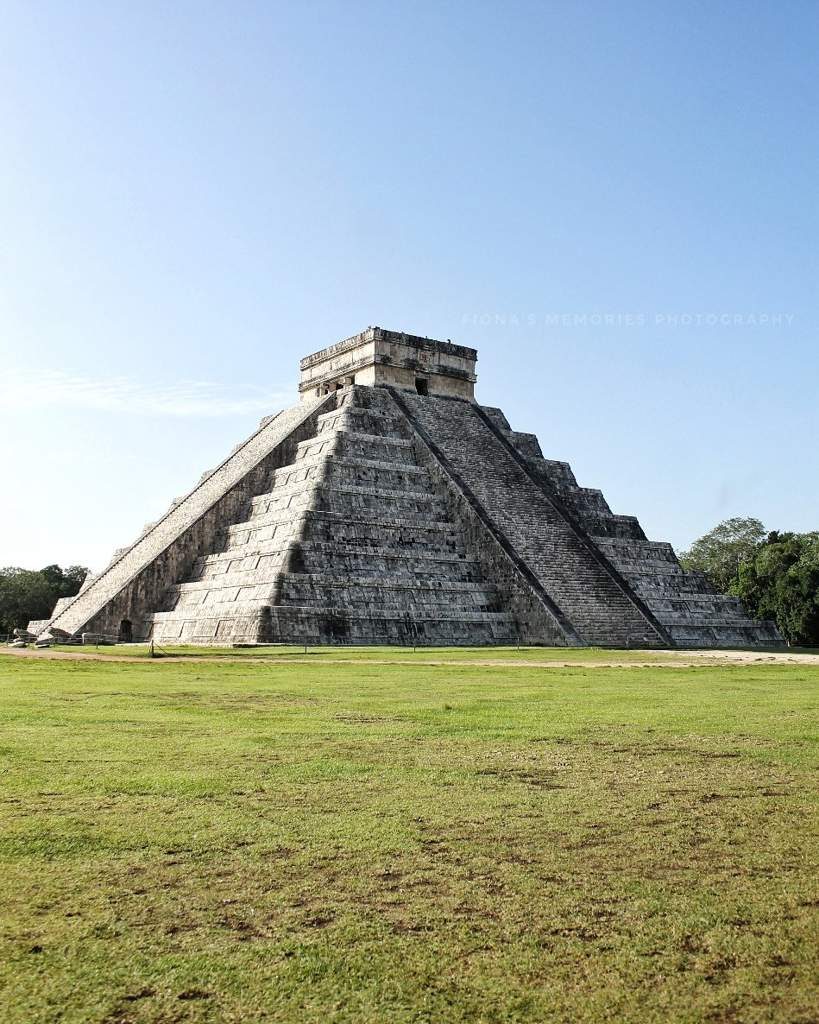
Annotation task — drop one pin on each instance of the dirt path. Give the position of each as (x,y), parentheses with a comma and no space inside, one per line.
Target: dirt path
(774,657)
(665,659)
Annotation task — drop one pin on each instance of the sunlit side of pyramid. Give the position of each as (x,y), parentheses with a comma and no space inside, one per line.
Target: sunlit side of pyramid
(388,507)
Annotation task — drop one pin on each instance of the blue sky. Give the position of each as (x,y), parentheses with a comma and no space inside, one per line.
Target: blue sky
(616,204)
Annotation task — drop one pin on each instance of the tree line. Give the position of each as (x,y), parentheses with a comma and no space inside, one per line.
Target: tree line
(775,575)
(27,594)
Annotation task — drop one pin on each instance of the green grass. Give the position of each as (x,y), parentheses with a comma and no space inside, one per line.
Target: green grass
(243,840)
(458,654)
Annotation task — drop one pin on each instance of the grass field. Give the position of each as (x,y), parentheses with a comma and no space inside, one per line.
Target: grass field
(302,840)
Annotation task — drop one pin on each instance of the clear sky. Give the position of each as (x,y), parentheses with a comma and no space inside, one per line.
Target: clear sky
(615,203)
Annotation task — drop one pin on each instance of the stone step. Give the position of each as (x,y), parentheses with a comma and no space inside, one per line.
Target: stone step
(361,472)
(666,578)
(600,525)
(454,616)
(263,560)
(329,625)
(385,516)
(344,530)
(377,595)
(319,557)
(315,447)
(646,567)
(374,421)
(208,629)
(527,444)
(212,603)
(282,493)
(379,530)
(347,444)
(229,587)
(627,550)
(585,501)
(701,618)
(753,634)
(695,602)
(559,474)
(386,451)
(409,505)
(401,604)
(325,494)
(393,582)
(314,625)
(258,558)
(344,433)
(279,531)
(346,514)
(451,589)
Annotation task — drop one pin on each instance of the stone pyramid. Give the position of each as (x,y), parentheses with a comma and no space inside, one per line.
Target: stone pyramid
(388,507)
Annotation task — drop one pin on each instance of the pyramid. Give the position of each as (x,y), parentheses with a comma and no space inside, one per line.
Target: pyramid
(389,507)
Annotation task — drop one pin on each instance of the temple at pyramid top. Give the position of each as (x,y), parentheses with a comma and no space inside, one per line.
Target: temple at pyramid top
(377,356)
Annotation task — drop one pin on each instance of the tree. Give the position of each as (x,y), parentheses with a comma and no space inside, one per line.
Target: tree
(721,552)
(27,594)
(66,582)
(74,577)
(781,582)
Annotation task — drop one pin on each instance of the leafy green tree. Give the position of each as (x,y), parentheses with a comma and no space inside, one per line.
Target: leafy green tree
(66,582)
(721,552)
(74,577)
(781,582)
(27,594)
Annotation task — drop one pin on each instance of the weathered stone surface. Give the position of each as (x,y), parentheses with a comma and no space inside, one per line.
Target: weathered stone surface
(393,511)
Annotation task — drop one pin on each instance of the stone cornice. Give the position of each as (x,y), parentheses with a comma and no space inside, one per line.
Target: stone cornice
(395,337)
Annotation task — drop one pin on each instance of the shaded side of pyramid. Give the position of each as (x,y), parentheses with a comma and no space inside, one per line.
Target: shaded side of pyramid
(505,468)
